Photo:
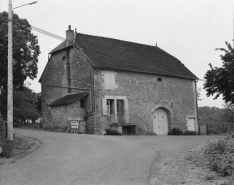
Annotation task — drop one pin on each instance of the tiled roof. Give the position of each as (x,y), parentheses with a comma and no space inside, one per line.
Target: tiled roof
(107,53)
(63,45)
(68,99)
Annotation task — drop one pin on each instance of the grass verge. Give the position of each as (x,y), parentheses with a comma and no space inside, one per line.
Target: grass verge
(17,148)
(50,128)
(218,157)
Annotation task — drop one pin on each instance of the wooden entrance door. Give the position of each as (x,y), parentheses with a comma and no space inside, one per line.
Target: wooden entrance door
(120,112)
(191,124)
(160,122)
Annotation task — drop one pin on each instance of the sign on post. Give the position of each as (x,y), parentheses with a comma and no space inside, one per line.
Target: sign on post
(74,124)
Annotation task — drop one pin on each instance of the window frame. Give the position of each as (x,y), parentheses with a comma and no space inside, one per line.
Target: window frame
(105,111)
(109,78)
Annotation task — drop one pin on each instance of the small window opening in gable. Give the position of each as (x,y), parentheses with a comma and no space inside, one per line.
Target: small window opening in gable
(63,58)
(159,79)
(110,106)
(82,103)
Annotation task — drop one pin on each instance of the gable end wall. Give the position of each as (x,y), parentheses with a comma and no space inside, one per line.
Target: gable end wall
(67,71)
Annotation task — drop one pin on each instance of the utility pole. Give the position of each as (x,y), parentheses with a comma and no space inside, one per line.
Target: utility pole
(10,72)
(10,77)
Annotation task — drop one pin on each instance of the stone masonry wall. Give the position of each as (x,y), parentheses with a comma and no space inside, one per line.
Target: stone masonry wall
(69,71)
(61,113)
(144,92)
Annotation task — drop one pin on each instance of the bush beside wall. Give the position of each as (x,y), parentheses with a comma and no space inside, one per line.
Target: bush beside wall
(2,130)
(5,145)
(177,131)
(220,155)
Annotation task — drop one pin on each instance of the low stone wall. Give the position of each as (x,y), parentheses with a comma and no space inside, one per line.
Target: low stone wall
(2,130)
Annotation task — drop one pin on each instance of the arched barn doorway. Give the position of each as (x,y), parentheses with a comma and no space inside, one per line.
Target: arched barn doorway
(160,121)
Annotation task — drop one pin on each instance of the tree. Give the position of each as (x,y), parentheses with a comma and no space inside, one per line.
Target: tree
(210,115)
(38,102)
(25,51)
(220,81)
(25,104)
(199,94)
(228,113)
(25,56)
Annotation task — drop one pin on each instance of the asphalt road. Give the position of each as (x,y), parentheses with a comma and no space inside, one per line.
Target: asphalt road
(93,159)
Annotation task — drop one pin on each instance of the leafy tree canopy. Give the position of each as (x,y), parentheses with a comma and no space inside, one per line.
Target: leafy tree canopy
(25,51)
(220,81)
(25,104)
(25,58)
(215,115)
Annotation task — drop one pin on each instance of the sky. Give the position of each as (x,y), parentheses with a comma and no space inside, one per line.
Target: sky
(190,30)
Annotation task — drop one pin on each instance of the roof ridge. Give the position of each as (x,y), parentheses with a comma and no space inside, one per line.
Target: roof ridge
(118,40)
(116,54)
(131,42)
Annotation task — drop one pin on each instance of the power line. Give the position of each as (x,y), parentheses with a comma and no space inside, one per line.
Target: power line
(47,33)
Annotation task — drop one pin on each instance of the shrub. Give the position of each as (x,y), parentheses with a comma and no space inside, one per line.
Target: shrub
(189,132)
(111,131)
(220,155)
(210,176)
(150,133)
(175,131)
(7,147)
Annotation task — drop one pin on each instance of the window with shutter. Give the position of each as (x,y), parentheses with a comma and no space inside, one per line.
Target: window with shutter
(109,107)
(126,111)
(104,107)
(109,80)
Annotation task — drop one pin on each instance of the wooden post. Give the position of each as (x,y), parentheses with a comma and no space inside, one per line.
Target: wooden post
(10,77)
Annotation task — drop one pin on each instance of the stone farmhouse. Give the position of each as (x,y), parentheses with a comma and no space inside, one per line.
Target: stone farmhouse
(106,83)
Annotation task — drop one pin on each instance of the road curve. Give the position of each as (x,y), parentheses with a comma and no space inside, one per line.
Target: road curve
(92,159)
(80,159)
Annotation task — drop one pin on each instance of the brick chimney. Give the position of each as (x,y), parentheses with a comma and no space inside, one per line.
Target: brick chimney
(69,34)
